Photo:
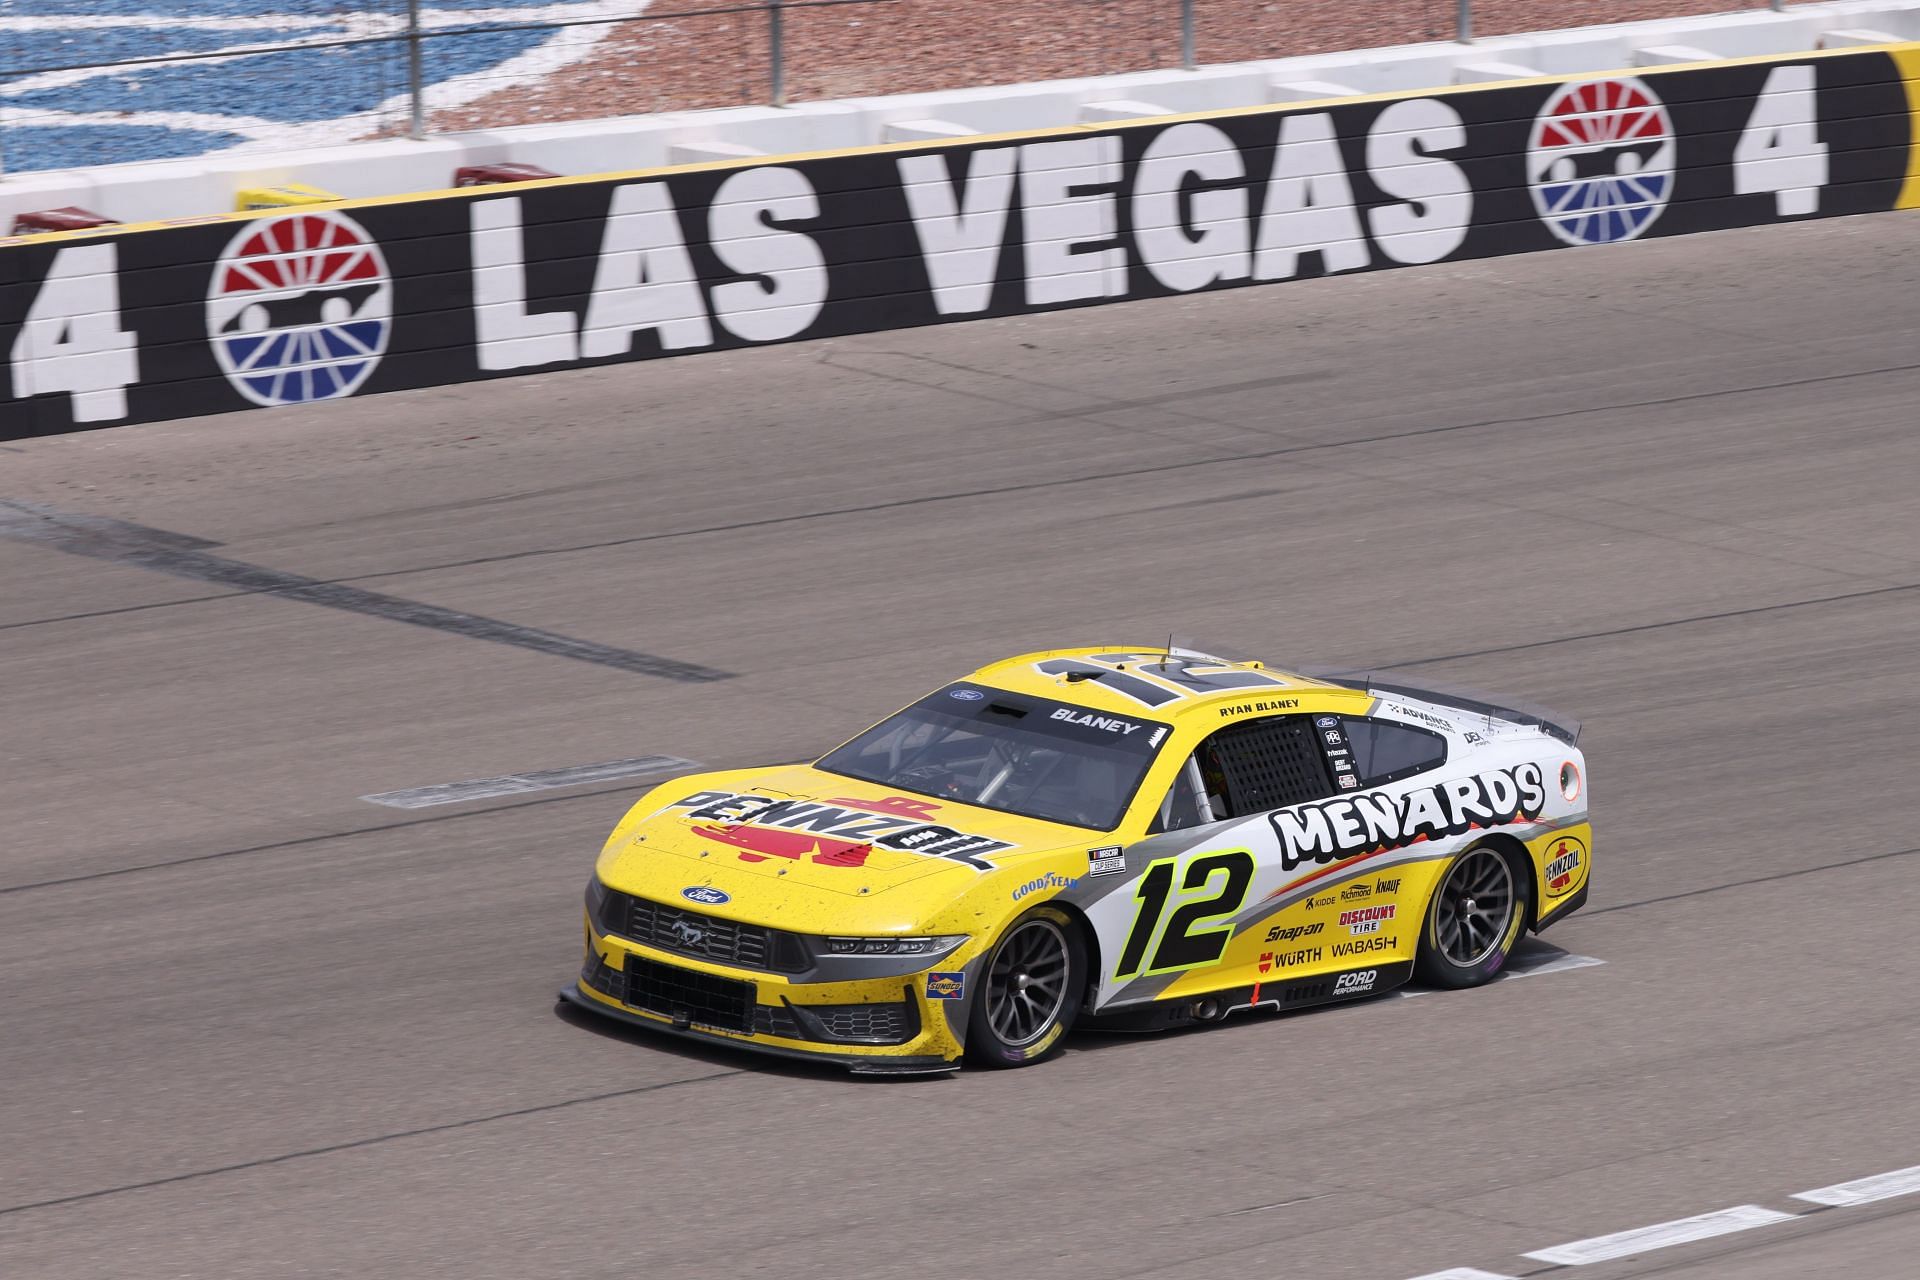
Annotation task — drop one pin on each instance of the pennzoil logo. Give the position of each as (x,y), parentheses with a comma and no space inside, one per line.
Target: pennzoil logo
(831,833)
(300,308)
(1567,855)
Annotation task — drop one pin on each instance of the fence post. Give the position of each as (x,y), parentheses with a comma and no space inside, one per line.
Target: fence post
(777,48)
(1463,22)
(1186,34)
(415,89)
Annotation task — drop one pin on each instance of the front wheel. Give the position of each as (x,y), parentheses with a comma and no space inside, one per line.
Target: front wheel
(1030,990)
(1474,919)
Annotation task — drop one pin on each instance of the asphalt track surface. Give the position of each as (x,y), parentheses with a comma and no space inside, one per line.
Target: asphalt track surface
(252,1026)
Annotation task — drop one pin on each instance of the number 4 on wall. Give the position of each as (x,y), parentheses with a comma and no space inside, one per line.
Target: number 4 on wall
(72,341)
(1780,149)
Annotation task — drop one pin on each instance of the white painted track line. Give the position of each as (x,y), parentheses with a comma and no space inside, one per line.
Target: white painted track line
(1661,1235)
(537,780)
(1463,1273)
(1882,1186)
(1523,966)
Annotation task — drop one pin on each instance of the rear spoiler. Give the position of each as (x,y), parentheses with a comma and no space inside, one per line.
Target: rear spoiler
(1519,712)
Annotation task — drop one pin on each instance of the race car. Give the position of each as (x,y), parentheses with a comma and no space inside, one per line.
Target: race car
(1132,838)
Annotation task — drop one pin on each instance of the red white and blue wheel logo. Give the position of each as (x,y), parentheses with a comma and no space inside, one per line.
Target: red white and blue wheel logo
(1600,161)
(300,308)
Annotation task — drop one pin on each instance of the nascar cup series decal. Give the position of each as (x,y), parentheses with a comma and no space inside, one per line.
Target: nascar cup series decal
(1600,161)
(300,308)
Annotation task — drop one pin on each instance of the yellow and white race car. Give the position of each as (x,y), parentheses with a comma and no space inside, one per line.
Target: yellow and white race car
(1137,839)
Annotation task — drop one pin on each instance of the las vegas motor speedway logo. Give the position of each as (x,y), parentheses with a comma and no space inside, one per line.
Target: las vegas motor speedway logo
(300,308)
(1600,161)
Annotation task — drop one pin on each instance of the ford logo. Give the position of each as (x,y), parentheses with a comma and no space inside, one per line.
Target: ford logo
(705,893)
(967,695)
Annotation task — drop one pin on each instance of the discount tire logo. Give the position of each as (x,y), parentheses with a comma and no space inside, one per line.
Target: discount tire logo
(300,308)
(1600,161)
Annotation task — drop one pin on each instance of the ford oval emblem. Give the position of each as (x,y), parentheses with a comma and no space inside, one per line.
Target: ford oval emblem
(707,894)
(967,695)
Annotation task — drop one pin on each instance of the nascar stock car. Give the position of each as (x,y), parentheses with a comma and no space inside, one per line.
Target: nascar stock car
(1128,839)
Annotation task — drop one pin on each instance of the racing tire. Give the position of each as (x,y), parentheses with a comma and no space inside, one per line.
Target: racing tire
(1030,990)
(1476,916)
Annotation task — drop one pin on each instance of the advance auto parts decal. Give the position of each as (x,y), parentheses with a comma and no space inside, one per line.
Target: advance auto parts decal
(135,327)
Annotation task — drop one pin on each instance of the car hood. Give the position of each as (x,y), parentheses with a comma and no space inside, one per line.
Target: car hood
(813,832)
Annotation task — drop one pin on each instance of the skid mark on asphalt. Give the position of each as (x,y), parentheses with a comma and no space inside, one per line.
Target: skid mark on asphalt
(182,556)
(1704,1226)
(514,784)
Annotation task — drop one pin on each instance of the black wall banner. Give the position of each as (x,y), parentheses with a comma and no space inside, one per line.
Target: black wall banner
(245,311)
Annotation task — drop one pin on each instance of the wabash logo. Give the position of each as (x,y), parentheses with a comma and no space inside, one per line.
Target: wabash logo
(832,833)
(300,308)
(1564,860)
(1600,161)
(1373,822)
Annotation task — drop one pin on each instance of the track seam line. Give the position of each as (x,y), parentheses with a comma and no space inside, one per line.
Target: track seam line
(357,1143)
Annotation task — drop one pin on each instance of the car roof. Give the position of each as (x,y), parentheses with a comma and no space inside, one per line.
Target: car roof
(1023,674)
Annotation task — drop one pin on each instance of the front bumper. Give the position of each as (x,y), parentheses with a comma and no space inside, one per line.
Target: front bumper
(887,1025)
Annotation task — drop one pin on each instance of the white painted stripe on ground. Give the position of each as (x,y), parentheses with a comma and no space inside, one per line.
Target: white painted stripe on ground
(1523,967)
(1463,1273)
(515,784)
(1881,1186)
(1662,1235)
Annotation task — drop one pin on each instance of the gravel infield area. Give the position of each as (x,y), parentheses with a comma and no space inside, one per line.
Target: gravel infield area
(852,50)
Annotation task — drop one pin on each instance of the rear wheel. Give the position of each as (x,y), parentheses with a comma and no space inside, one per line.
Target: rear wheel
(1030,990)
(1474,919)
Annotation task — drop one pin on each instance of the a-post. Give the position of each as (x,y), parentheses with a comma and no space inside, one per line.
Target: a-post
(1463,22)
(1186,34)
(777,48)
(415,89)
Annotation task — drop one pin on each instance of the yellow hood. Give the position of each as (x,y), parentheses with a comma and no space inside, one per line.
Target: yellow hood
(812,832)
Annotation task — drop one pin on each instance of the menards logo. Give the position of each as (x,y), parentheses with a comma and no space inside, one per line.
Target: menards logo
(833,833)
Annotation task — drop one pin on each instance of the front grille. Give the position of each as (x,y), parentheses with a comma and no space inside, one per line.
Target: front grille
(867,1023)
(703,937)
(679,993)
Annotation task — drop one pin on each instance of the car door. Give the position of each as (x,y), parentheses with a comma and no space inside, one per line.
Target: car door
(1207,862)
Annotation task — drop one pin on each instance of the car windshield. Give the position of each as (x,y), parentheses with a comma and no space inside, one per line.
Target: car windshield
(998,750)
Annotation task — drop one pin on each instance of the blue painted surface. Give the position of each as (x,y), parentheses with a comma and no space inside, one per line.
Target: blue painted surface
(306,86)
(64,147)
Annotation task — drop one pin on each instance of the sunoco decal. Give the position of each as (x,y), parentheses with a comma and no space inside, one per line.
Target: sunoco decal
(1371,822)
(832,833)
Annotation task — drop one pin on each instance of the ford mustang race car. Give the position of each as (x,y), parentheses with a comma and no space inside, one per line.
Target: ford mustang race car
(1129,839)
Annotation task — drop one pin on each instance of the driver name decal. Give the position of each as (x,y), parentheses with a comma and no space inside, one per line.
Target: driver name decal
(1373,822)
(839,833)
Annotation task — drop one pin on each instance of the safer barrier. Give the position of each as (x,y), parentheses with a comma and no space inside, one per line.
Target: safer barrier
(164,321)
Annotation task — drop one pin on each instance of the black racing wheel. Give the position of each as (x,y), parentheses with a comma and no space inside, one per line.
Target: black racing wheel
(1474,920)
(1030,990)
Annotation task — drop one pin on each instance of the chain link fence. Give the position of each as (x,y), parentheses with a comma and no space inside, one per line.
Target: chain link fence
(86,82)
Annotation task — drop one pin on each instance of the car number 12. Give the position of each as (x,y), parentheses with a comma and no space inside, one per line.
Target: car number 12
(1212,887)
